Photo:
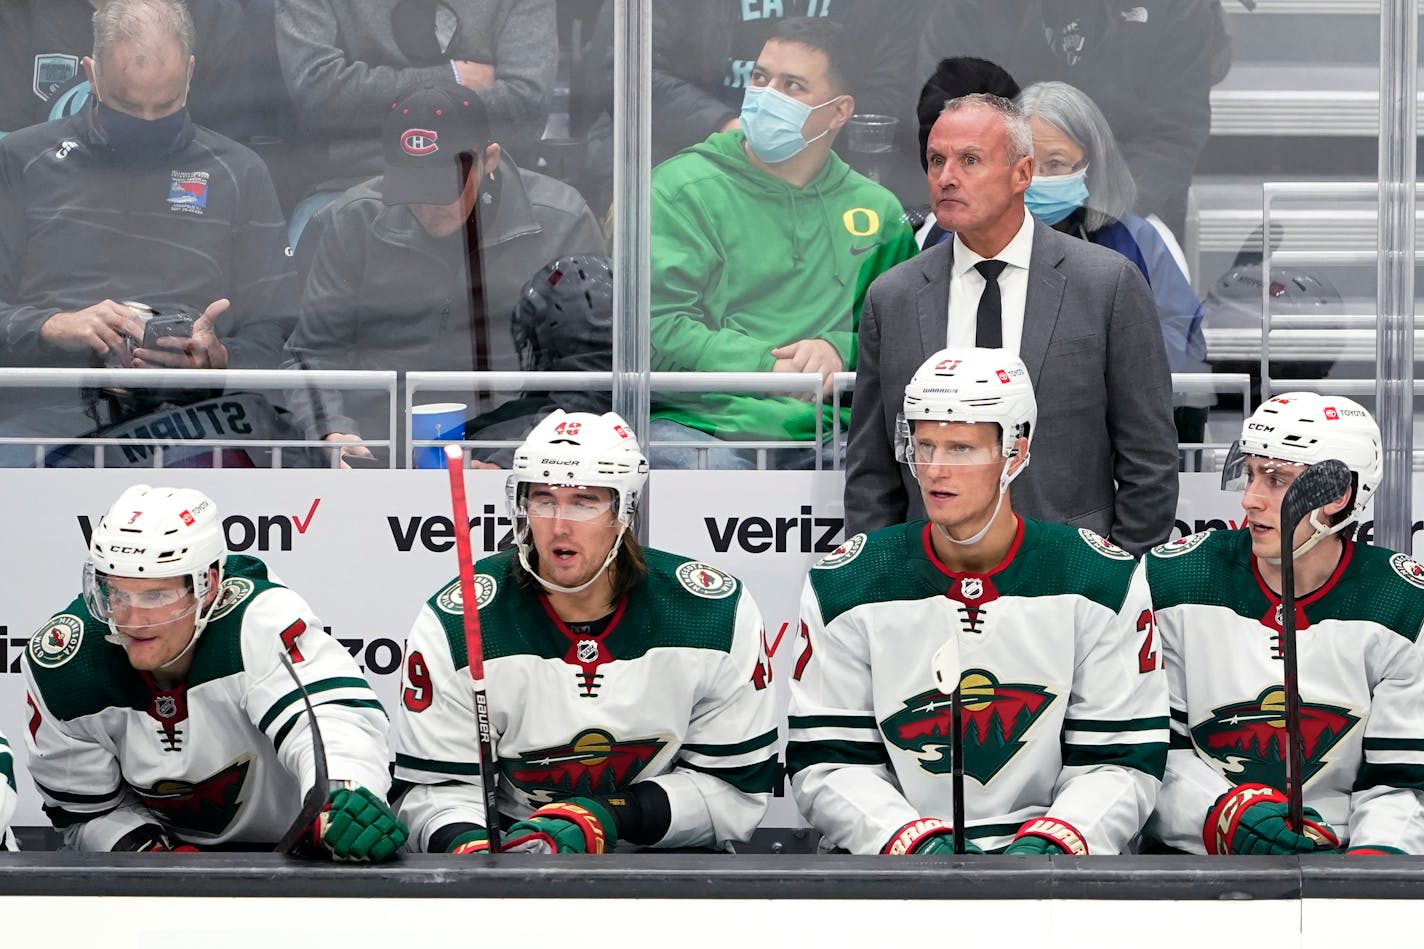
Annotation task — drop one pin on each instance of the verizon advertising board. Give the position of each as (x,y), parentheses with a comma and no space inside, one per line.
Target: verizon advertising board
(366,548)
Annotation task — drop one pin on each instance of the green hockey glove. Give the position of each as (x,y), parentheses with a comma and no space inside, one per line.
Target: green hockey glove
(357,825)
(471,841)
(1251,819)
(578,825)
(1047,835)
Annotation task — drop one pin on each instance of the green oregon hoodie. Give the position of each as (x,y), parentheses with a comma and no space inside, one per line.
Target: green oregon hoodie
(743,262)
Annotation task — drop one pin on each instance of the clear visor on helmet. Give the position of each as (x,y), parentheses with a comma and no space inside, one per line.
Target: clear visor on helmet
(929,442)
(577,503)
(1257,474)
(138,607)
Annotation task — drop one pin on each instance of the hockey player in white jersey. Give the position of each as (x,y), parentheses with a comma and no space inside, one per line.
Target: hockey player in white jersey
(161,716)
(7,794)
(1359,612)
(628,688)
(1064,719)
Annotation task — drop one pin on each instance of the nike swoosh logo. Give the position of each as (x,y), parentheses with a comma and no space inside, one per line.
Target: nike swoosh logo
(857,251)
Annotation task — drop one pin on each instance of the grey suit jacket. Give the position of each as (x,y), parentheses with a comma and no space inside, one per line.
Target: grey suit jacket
(1104,455)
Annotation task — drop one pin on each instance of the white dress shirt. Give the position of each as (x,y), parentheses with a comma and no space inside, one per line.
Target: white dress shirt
(966,285)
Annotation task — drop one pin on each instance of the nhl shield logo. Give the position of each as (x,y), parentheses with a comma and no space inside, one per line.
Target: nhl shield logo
(972,588)
(166,706)
(57,641)
(587,650)
(706,581)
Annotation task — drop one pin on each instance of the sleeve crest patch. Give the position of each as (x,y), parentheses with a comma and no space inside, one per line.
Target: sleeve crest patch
(842,555)
(1182,545)
(57,641)
(706,581)
(1102,545)
(452,601)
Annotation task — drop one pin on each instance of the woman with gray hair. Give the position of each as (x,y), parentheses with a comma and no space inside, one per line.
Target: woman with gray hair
(1082,186)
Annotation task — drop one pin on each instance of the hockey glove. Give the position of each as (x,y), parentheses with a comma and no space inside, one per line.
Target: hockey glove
(926,835)
(1047,835)
(357,825)
(1251,819)
(473,841)
(578,825)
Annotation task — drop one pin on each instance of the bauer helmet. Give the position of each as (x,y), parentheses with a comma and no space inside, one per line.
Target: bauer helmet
(583,449)
(969,385)
(1305,427)
(156,532)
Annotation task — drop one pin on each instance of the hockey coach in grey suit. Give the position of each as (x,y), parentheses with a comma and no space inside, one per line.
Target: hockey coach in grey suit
(1079,316)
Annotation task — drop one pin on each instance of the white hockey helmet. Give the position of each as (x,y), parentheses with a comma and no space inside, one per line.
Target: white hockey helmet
(970,385)
(1305,427)
(156,532)
(580,448)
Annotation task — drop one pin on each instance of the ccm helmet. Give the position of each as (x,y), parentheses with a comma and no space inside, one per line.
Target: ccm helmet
(970,385)
(1305,427)
(154,532)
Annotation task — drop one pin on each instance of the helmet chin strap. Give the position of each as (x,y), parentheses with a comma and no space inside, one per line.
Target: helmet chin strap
(522,542)
(1321,531)
(1005,479)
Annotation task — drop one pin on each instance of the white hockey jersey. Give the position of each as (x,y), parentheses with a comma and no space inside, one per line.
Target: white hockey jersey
(675,690)
(7,794)
(223,760)
(1361,665)
(1065,703)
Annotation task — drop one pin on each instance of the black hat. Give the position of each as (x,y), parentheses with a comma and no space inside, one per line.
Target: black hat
(424,135)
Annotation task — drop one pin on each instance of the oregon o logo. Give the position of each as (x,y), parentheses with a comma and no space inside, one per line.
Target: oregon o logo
(1183,545)
(452,601)
(853,218)
(842,555)
(56,642)
(1408,568)
(706,581)
(234,591)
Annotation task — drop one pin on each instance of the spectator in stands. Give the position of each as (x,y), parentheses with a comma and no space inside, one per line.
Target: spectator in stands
(955,76)
(1082,186)
(421,269)
(763,244)
(1146,63)
(1079,316)
(345,61)
(43,41)
(130,200)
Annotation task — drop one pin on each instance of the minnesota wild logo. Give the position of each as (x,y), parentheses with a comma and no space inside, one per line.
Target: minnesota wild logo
(206,808)
(1249,738)
(595,762)
(996,719)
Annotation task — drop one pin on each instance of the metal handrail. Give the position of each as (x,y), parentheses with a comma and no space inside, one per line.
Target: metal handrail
(260,380)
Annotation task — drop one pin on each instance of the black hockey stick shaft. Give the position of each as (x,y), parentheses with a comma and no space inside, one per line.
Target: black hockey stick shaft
(1316,486)
(474,645)
(315,798)
(956,751)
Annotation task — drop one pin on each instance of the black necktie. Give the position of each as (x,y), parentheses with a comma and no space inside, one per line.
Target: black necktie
(989,325)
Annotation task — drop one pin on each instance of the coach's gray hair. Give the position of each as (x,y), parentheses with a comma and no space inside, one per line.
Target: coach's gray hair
(1112,191)
(145,23)
(1015,122)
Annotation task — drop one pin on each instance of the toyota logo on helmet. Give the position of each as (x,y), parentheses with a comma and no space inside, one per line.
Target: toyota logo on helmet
(419,142)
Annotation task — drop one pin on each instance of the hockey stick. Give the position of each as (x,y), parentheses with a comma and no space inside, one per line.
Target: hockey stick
(315,798)
(1316,486)
(474,647)
(948,675)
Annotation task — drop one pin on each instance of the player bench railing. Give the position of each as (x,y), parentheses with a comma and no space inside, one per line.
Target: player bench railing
(278,382)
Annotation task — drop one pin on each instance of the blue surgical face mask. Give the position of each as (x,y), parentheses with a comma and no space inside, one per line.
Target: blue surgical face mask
(773,122)
(1051,199)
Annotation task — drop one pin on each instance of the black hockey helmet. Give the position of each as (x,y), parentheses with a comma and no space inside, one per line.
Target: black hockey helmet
(564,318)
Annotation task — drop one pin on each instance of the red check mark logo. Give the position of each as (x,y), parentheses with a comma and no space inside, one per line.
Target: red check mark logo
(302,525)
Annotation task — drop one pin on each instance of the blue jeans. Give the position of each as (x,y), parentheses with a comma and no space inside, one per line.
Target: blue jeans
(720,454)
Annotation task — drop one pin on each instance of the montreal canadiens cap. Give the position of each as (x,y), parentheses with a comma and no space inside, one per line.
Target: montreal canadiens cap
(424,134)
